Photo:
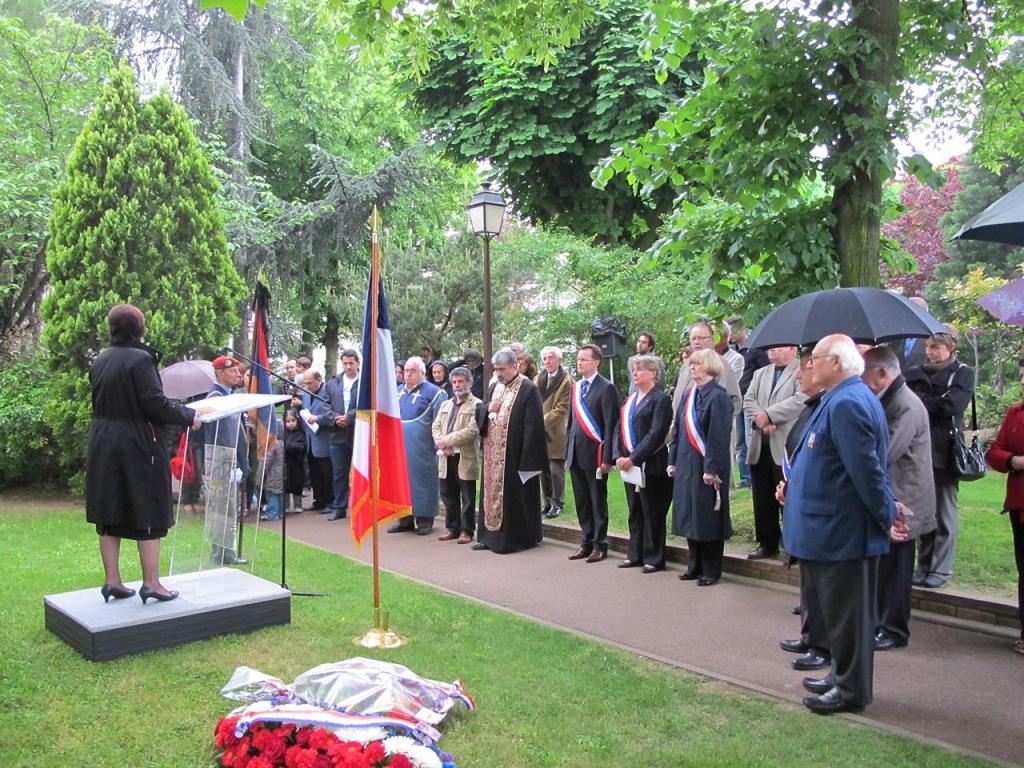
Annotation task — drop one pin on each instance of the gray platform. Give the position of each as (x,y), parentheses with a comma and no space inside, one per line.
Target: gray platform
(215,602)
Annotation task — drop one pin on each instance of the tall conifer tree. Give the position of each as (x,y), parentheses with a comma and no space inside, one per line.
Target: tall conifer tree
(136,220)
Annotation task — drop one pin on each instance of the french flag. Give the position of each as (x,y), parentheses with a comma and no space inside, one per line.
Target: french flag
(380,476)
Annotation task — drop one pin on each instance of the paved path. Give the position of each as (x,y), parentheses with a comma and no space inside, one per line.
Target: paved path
(952,686)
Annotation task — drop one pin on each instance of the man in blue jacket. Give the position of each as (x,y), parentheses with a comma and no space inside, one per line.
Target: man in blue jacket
(839,510)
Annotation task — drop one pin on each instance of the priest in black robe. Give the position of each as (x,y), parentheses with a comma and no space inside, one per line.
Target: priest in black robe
(515,454)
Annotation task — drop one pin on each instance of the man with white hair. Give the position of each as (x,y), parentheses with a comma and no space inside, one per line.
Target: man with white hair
(515,453)
(419,402)
(554,385)
(838,516)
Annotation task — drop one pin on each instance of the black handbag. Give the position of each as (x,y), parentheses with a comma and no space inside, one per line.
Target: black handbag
(968,460)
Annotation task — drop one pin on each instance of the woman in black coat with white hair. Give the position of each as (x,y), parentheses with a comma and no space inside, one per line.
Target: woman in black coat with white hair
(127,473)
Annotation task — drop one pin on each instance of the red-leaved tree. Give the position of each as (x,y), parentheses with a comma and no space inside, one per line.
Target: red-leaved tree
(917,230)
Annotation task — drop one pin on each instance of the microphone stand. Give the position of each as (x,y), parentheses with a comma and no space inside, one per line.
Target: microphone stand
(284,469)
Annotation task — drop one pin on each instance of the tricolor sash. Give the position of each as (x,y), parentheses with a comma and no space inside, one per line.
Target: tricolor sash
(786,466)
(626,423)
(586,420)
(693,431)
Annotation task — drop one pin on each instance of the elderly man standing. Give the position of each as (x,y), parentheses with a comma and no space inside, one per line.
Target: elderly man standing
(910,473)
(224,447)
(456,433)
(512,425)
(772,403)
(839,511)
(589,453)
(318,437)
(419,402)
(343,392)
(554,385)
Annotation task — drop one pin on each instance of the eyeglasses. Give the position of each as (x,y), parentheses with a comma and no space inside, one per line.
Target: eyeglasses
(694,337)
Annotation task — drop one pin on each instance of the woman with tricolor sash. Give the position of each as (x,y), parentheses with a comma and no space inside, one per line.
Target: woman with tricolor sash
(699,462)
(641,454)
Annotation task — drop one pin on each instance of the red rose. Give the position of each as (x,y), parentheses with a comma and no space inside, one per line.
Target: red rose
(303,735)
(224,733)
(244,760)
(322,761)
(399,761)
(274,750)
(260,762)
(374,753)
(321,738)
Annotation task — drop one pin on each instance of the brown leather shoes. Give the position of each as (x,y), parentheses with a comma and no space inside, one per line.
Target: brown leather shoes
(596,556)
(580,554)
(448,536)
(465,538)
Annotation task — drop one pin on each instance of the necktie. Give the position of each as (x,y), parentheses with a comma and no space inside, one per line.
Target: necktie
(776,375)
(907,346)
(584,388)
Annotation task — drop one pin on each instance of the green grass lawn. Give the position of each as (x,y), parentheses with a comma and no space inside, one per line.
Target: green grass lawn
(984,553)
(546,698)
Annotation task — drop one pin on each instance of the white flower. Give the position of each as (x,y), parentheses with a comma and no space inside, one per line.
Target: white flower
(420,756)
(364,735)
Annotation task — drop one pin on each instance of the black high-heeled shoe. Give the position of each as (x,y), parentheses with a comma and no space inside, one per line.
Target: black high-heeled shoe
(110,591)
(145,593)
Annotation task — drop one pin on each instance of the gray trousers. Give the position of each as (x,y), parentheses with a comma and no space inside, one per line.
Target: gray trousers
(846,593)
(553,483)
(812,625)
(937,550)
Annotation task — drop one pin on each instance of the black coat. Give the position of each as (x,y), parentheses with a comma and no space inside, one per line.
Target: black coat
(652,420)
(693,503)
(294,460)
(945,401)
(603,402)
(127,474)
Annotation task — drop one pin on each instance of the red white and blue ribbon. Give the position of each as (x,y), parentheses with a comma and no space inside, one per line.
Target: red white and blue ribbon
(693,433)
(786,466)
(626,423)
(585,419)
(307,714)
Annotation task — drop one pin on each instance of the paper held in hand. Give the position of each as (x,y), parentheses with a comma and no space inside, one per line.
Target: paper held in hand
(635,476)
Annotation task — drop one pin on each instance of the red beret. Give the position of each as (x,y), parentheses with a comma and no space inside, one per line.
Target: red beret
(219,363)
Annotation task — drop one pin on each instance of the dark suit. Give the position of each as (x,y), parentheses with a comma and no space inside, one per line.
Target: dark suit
(648,506)
(591,493)
(838,512)
(909,354)
(341,438)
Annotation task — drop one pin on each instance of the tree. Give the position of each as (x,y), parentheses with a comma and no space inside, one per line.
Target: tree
(918,229)
(135,220)
(48,79)
(544,128)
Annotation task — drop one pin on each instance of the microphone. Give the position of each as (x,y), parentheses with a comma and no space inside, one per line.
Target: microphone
(227,351)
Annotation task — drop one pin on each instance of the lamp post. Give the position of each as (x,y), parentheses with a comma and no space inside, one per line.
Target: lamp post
(486,215)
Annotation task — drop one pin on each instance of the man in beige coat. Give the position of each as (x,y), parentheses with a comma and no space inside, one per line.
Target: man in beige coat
(554,385)
(772,403)
(457,435)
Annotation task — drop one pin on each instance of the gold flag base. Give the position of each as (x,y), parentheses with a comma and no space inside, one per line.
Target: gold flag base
(379,636)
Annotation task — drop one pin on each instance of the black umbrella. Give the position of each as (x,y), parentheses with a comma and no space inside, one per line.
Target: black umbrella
(1001,222)
(867,315)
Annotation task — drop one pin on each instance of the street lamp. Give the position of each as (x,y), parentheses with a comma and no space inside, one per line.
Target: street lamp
(486,215)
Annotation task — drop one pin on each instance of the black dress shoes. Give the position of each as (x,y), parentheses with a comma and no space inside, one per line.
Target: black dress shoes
(811,660)
(580,554)
(424,526)
(597,556)
(689,576)
(704,581)
(627,564)
(405,524)
(478,545)
(652,569)
(552,513)
(337,515)
(794,646)
(816,685)
(831,703)
(762,552)
(886,642)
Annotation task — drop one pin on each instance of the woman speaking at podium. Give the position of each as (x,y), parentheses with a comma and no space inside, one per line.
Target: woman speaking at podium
(127,472)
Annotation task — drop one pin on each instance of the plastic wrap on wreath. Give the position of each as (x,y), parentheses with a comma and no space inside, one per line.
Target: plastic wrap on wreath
(357,686)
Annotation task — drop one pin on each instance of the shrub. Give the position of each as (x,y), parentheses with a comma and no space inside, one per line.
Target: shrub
(992,406)
(28,453)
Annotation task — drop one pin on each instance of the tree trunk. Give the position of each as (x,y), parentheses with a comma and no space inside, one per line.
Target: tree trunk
(856,200)
(331,345)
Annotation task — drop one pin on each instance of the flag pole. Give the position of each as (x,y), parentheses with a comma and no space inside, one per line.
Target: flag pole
(379,635)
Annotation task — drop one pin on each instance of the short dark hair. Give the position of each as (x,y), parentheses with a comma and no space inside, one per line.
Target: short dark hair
(650,338)
(594,350)
(304,361)
(350,353)
(126,323)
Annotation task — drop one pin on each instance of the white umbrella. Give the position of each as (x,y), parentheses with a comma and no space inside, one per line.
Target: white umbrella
(187,379)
